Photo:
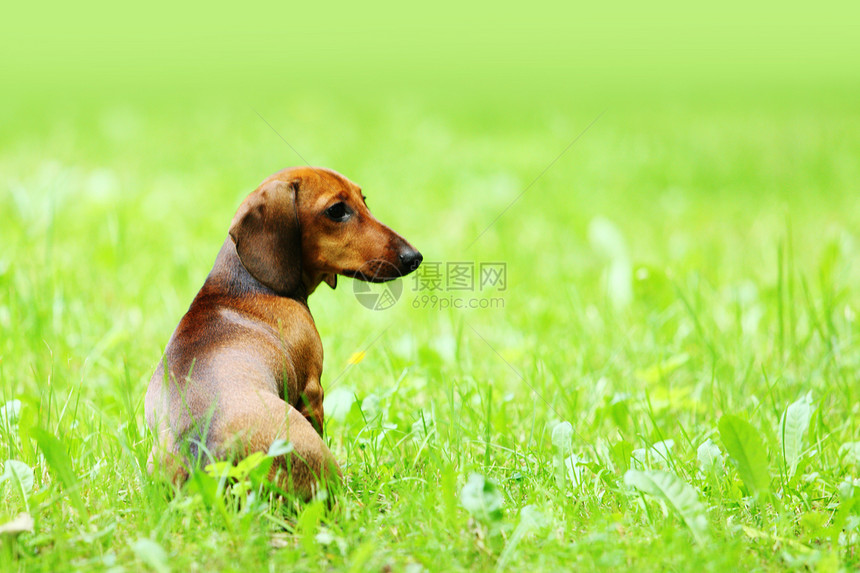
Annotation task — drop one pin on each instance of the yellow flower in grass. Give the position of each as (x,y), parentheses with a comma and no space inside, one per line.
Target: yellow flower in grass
(357,357)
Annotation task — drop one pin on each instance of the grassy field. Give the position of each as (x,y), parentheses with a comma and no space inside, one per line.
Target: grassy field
(668,379)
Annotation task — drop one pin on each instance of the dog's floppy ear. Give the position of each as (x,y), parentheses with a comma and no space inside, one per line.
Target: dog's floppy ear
(267,236)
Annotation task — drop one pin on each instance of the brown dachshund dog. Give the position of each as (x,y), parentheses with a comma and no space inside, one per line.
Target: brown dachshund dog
(243,367)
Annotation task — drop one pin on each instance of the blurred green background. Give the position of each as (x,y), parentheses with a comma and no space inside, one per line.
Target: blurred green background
(134,132)
(546,51)
(96,45)
(720,181)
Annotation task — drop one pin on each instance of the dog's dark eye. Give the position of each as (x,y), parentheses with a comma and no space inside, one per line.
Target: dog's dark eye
(338,212)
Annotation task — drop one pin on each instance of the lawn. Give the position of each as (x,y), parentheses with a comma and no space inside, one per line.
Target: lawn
(666,378)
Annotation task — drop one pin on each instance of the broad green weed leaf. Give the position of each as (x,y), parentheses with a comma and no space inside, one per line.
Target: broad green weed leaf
(219,469)
(620,454)
(61,466)
(20,477)
(574,466)
(619,282)
(26,424)
(710,457)
(152,554)
(338,402)
(246,474)
(260,473)
(606,239)
(562,439)
(792,427)
(371,407)
(247,465)
(530,520)
(745,446)
(676,493)
(279,448)
(207,486)
(619,409)
(242,469)
(658,454)
(481,498)
(9,414)
(843,521)
(663,449)
(846,488)
(562,436)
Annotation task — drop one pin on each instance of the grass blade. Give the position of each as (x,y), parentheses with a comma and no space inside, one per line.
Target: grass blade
(61,465)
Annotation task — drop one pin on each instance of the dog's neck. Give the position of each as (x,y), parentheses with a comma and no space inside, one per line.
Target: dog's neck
(229,276)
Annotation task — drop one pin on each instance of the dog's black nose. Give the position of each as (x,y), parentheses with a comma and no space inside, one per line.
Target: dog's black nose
(410,259)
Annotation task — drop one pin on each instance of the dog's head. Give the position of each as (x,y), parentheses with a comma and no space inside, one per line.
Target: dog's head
(305,225)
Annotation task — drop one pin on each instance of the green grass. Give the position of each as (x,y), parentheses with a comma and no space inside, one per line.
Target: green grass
(679,281)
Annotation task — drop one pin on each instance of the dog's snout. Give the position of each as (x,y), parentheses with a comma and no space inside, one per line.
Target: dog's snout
(410,258)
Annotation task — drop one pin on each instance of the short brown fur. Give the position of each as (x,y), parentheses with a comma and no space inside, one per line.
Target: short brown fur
(243,367)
